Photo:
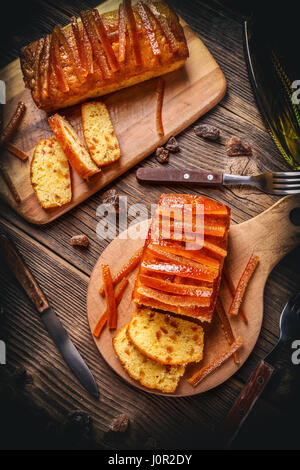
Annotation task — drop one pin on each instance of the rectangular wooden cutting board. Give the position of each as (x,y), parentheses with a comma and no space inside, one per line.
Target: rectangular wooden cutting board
(189,93)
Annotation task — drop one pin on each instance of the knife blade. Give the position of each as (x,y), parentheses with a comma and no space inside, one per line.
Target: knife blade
(289,330)
(47,315)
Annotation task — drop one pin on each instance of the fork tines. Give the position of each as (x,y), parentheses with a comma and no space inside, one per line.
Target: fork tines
(286,182)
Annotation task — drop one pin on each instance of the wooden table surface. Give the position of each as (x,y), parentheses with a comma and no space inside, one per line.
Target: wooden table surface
(38,409)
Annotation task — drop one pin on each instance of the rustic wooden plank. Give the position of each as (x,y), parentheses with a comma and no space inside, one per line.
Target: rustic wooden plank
(55,388)
(210,23)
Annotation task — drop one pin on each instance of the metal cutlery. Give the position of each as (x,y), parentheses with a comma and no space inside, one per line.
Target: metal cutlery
(289,331)
(47,315)
(279,183)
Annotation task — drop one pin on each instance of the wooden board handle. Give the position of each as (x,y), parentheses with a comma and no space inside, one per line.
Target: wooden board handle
(22,274)
(245,402)
(174,176)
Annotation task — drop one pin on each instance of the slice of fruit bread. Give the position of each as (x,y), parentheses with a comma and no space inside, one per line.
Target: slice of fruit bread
(164,338)
(149,373)
(99,133)
(50,174)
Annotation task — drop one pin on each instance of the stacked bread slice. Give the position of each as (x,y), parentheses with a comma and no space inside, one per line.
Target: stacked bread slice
(183,257)
(154,348)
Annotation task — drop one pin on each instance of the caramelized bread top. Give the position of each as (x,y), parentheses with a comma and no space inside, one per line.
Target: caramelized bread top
(98,50)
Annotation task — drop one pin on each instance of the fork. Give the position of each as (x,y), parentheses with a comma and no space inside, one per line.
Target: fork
(280,183)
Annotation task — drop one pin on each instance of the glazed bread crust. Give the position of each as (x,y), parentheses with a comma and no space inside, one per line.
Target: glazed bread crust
(40,75)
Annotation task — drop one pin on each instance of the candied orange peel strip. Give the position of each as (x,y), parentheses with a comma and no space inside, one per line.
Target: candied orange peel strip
(166,267)
(89,24)
(80,46)
(71,52)
(110,55)
(132,31)
(160,90)
(200,375)
(120,289)
(199,312)
(231,288)
(172,299)
(15,151)
(110,297)
(143,12)
(175,287)
(226,326)
(193,255)
(56,63)
(44,69)
(165,28)
(242,285)
(36,67)
(122,33)
(126,269)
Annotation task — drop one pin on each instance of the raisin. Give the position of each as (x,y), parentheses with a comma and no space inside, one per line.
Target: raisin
(111,199)
(172,145)
(235,147)
(120,423)
(80,240)
(162,155)
(207,132)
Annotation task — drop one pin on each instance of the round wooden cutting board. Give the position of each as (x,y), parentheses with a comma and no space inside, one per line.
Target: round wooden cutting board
(270,235)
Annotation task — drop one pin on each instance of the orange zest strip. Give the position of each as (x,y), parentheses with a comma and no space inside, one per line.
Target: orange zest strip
(179,202)
(110,297)
(57,67)
(120,289)
(200,375)
(126,269)
(133,31)
(143,12)
(182,270)
(160,88)
(110,55)
(231,288)
(164,26)
(242,285)
(226,327)
(44,68)
(90,27)
(80,46)
(15,151)
(175,287)
(122,33)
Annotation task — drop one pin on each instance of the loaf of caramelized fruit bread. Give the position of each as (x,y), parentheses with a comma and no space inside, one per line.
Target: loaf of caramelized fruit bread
(183,256)
(98,54)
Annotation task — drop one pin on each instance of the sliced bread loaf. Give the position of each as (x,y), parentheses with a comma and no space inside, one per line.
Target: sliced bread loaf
(73,147)
(99,133)
(50,174)
(149,373)
(166,339)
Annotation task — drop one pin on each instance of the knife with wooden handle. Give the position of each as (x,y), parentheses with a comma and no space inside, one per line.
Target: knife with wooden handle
(47,315)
